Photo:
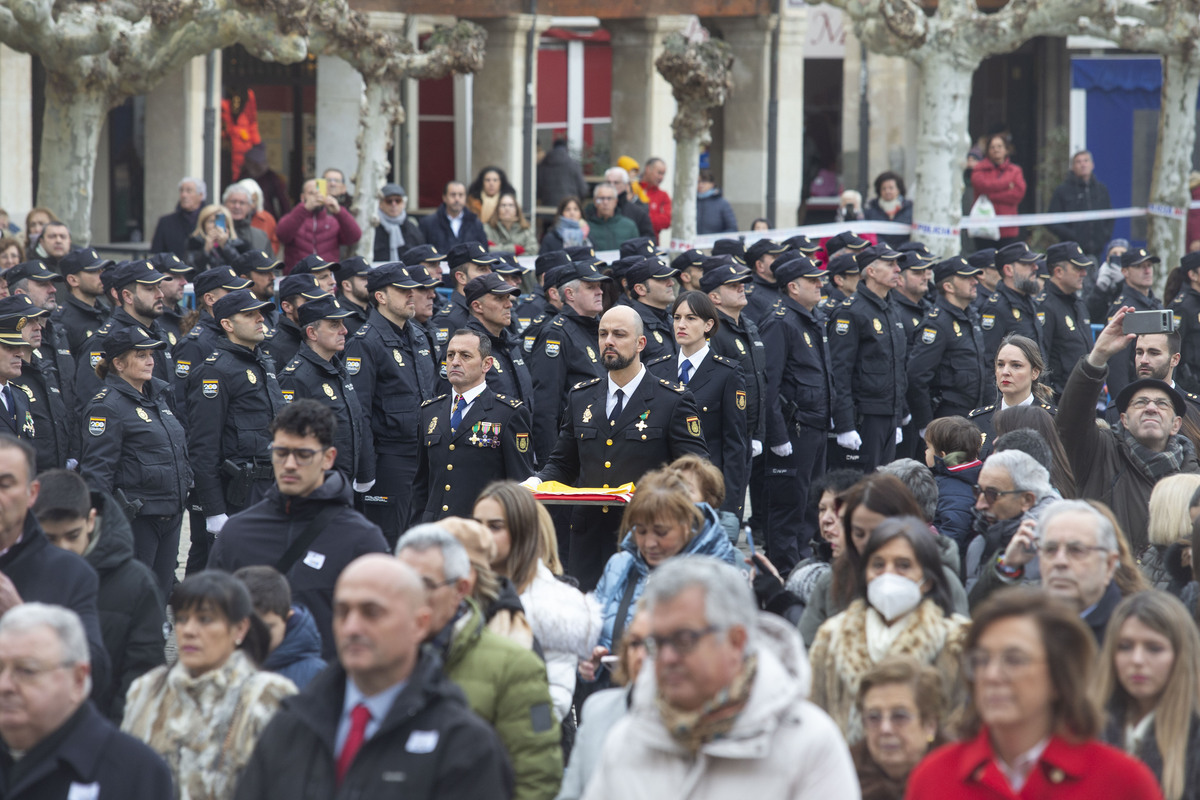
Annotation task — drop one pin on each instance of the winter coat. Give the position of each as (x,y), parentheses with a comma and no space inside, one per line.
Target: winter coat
(206,727)
(628,565)
(992,540)
(559,176)
(437,231)
(781,745)
(607,234)
(298,657)
(968,771)
(1004,185)
(513,238)
(714,214)
(566,624)
(955,515)
(132,616)
(904,214)
(658,203)
(1076,194)
(305,232)
(506,685)
(1148,752)
(201,258)
(841,656)
(173,230)
(637,213)
(600,713)
(458,757)
(553,240)
(381,248)
(90,752)
(260,536)
(255,238)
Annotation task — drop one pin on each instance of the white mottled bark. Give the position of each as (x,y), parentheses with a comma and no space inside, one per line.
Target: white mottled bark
(381,111)
(942,143)
(1173,158)
(683,205)
(71,129)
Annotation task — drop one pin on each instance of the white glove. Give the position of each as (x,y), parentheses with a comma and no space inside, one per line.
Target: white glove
(214,524)
(531,483)
(921,433)
(1109,274)
(783,450)
(850,440)
(899,435)
(72,463)
(363,488)
(907,419)
(756,448)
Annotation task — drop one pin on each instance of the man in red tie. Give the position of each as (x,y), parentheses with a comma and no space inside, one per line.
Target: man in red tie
(383,721)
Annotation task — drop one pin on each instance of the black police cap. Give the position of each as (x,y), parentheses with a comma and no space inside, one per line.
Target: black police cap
(30,270)
(131,337)
(326,307)
(422,253)
(1139,255)
(487,284)
(310,264)
(257,261)
(85,259)
(547,261)
(237,303)
(1066,251)
(638,246)
(218,278)
(303,284)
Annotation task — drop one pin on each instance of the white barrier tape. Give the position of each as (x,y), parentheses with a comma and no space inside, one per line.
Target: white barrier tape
(1016,220)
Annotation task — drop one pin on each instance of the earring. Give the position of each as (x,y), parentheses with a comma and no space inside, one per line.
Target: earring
(239,644)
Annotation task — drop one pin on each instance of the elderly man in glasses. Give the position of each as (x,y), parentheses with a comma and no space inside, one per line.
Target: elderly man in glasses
(306,526)
(725,711)
(1119,467)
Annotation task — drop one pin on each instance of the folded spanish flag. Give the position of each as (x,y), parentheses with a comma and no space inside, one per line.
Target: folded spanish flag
(555,492)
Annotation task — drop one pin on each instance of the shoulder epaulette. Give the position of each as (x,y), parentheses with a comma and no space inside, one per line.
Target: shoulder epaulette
(445,312)
(363,330)
(976,412)
(512,401)
(995,298)
(292,366)
(583,384)
(678,388)
(723,360)
(270,334)
(781,312)
(434,400)
(1043,404)
(848,300)
(659,360)
(538,319)
(194,332)
(100,395)
(933,312)
(216,354)
(558,321)
(1195,398)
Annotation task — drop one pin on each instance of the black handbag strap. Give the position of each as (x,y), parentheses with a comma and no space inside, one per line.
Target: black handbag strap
(306,537)
(623,610)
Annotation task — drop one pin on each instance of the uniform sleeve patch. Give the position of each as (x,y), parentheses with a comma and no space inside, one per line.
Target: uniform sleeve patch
(929,335)
(841,327)
(693,426)
(988,322)
(353,365)
(553,348)
(210,388)
(96,425)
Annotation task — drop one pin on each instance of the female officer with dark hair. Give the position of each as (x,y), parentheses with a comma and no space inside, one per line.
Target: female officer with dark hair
(134,449)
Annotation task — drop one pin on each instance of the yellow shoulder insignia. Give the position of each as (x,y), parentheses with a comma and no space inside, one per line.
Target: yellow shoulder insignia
(512,401)
(363,330)
(722,359)
(100,395)
(782,312)
(195,331)
(558,321)
(933,312)
(994,298)
(434,400)
(290,368)
(848,300)
(582,384)
(678,388)
(976,412)
(212,358)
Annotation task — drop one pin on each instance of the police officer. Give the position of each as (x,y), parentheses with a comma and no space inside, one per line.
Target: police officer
(56,429)
(690,265)
(535,304)
(31,278)
(909,297)
(565,351)
(318,372)
(1017,357)
(846,240)
(320,270)
(232,396)
(615,429)
(802,244)
(1136,289)
(732,248)
(351,274)
(81,312)
(490,300)
(467,261)
(15,417)
(428,257)
(1065,325)
(294,292)
(426,298)
(868,348)
(261,269)
(946,373)
(390,363)
(552,282)
(651,292)
(843,275)
(989,276)
(470,436)
(799,392)
(134,450)
(764,291)
(177,273)
(199,343)
(137,285)
(1011,308)
(1186,309)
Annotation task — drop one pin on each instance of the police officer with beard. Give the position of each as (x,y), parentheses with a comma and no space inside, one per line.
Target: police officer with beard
(294,292)
(1065,323)
(351,274)
(1011,308)
(764,290)
(177,273)
(490,299)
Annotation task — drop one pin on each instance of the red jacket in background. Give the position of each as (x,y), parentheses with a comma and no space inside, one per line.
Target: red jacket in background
(660,207)
(305,232)
(1004,185)
(1087,771)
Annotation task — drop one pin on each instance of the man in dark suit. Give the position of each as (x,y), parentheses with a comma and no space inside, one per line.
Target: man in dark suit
(613,431)
(470,437)
(452,223)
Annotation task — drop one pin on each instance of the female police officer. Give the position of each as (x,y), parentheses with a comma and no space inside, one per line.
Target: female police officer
(134,449)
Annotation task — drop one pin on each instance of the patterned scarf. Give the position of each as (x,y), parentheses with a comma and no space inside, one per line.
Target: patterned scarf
(395,231)
(1159,465)
(715,719)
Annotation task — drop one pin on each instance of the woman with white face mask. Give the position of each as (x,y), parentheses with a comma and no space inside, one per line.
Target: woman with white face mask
(903,608)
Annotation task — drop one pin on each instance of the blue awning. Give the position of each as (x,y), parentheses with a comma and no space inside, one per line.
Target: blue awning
(1116,74)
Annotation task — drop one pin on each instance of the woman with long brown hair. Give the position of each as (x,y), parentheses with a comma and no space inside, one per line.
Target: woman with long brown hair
(1019,367)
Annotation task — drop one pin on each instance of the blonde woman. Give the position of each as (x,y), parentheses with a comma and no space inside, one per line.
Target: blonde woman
(213,243)
(1169,525)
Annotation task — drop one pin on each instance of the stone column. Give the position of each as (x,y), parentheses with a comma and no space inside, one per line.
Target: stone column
(744,177)
(789,152)
(339,98)
(175,144)
(16,135)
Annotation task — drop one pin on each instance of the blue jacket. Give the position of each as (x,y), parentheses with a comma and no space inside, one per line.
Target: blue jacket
(714,214)
(628,565)
(298,656)
(956,499)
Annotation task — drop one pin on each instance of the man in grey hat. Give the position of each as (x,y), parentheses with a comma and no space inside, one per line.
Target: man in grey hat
(396,232)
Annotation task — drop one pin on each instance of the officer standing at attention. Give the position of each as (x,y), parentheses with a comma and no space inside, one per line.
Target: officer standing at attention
(199,343)
(31,278)
(490,299)
(319,373)
(232,396)
(614,430)
(294,292)
(565,351)
(319,269)
(1011,308)
(909,296)
(56,429)
(177,273)
(536,305)
(392,378)
(946,373)
(467,261)
(351,274)
(80,312)
(989,277)
(1065,326)
(261,269)
(764,291)
(15,417)
(868,349)
(470,436)
(844,275)
(799,392)
(1137,290)
(652,286)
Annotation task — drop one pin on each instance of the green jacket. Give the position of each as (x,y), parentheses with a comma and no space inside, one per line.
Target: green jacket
(507,686)
(607,234)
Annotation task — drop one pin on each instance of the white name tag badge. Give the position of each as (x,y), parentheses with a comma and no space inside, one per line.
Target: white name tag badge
(422,742)
(314,559)
(84,791)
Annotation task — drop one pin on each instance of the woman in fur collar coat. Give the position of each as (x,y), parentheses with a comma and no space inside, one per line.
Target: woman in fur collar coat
(903,609)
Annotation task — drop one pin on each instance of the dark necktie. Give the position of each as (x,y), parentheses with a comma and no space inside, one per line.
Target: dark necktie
(617,408)
(11,403)
(684,369)
(456,414)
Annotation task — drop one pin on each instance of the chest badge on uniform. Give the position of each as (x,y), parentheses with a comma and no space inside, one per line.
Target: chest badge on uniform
(399,357)
(182,368)
(1016,313)
(591,354)
(529,340)
(988,321)
(522,442)
(442,336)
(93,358)
(353,365)
(657,337)
(250,376)
(587,414)
(432,426)
(641,426)
(916,322)
(553,348)
(1041,316)
(96,425)
(288,395)
(1070,322)
(841,327)
(210,388)
(325,387)
(693,426)
(807,340)
(740,397)
(877,325)
(957,330)
(741,347)
(929,335)
(142,415)
(171,338)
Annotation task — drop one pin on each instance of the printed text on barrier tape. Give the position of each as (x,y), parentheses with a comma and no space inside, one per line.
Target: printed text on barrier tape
(1164,210)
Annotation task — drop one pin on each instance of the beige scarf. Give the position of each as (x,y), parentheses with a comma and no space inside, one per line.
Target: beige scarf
(714,720)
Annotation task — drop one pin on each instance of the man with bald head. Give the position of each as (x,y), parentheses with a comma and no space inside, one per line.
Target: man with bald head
(613,431)
(383,720)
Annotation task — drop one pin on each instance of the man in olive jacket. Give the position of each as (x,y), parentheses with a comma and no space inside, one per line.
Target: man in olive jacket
(505,683)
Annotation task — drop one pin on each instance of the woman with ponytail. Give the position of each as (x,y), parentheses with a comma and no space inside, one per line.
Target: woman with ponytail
(1019,368)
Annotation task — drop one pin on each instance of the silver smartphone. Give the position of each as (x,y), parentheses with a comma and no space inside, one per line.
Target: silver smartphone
(1162,321)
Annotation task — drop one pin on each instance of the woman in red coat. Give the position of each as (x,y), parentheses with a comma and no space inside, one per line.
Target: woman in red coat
(1030,725)
(1004,184)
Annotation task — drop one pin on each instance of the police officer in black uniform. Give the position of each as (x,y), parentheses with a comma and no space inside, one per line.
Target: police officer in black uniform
(1011,308)
(80,311)
(652,289)
(427,257)
(15,417)
(318,372)
(909,296)
(294,292)
(470,436)
(609,439)
(199,343)
(320,270)
(1186,309)
(989,276)
(799,392)
(56,429)
(946,373)
(846,240)
(177,273)
(536,304)
(232,396)
(1136,289)
(868,348)
(1065,326)
(764,291)
(843,275)
(490,300)
(389,360)
(134,450)
(351,274)
(552,282)
(467,261)
(31,278)
(261,269)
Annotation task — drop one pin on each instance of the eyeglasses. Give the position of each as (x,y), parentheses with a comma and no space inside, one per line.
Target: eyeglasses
(432,585)
(1009,662)
(682,642)
(393,200)
(899,718)
(25,674)
(1161,403)
(992,493)
(1076,551)
(303,455)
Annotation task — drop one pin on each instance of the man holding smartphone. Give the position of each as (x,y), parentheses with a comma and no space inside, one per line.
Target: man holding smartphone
(319,224)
